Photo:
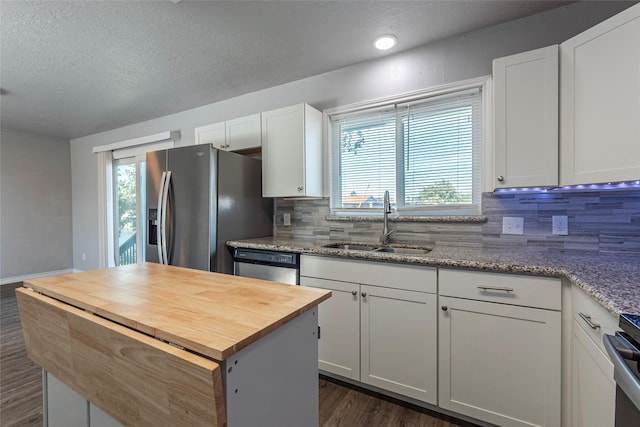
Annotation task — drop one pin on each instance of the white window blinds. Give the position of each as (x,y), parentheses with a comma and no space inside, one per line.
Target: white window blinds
(427,153)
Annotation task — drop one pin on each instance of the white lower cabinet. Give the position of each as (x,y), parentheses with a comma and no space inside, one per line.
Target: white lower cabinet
(593,387)
(339,322)
(481,344)
(384,336)
(398,339)
(500,362)
(594,390)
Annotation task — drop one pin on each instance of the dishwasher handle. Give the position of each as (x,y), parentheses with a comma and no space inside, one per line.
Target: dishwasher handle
(624,376)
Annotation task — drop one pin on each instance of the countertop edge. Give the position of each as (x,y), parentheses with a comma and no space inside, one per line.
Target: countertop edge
(311,248)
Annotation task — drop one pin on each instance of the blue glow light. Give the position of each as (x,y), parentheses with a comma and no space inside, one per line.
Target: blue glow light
(623,185)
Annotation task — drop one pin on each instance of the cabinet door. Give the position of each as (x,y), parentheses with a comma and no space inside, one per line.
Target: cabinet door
(339,322)
(244,133)
(600,102)
(283,159)
(526,119)
(212,134)
(500,363)
(594,389)
(399,341)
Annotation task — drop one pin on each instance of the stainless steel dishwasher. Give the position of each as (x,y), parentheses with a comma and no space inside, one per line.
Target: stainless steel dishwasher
(624,351)
(282,267)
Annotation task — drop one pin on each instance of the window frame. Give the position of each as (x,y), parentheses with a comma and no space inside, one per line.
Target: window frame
(483,84)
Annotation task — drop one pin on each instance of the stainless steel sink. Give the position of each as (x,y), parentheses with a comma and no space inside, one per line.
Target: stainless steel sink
(403,251)
(391,249)
(351,247)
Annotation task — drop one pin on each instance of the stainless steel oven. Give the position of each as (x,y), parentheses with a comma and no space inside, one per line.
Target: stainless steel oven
(283,267)
(624,351)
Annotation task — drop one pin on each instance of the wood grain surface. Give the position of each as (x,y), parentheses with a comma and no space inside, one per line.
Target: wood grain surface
(136,379)
(209,313)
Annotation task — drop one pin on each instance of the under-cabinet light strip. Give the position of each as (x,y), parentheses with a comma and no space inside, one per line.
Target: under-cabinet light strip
(624,185)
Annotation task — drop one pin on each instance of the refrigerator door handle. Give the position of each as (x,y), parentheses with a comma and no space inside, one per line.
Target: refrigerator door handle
(160,215)
(165,199)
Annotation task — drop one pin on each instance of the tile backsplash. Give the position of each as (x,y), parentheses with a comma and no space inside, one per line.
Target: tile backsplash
(599,222)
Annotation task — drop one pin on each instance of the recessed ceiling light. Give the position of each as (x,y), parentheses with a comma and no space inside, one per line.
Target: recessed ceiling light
(385,42)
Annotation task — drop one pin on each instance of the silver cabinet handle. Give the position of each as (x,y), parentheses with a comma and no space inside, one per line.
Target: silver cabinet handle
(364,295)
(300,188)
(501,178)
(589,322)
(495,288)
(354,293)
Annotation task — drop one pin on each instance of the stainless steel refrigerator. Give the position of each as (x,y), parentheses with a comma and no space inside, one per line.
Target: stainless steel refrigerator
(198,198)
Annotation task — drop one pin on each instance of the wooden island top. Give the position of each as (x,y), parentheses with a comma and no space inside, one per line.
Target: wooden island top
(212,314)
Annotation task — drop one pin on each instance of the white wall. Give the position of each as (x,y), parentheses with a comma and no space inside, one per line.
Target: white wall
(35,201)
(446,61)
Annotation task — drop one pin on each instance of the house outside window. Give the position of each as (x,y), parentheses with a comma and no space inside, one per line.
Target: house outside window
(425,150)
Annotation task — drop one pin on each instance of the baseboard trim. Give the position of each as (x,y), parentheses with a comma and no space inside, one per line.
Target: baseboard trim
(7,280)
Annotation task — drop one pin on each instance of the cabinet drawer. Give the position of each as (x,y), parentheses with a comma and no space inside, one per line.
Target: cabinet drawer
(602,321)
(529,291)
(409,277)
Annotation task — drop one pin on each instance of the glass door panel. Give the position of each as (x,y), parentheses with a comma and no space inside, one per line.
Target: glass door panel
(128,210)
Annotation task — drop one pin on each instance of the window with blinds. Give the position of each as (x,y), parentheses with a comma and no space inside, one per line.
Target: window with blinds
(427,153)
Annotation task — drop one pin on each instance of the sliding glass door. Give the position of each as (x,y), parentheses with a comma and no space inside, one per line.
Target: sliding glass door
(128,209)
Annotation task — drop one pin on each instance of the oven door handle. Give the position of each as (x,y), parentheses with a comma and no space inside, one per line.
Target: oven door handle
(622,373)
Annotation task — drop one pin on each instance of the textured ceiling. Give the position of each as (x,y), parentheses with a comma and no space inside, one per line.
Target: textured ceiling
(73,68)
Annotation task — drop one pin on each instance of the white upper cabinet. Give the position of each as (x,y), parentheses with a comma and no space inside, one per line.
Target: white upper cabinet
(244,133)
(292,152)
(600,102)
(212,134)
(526,119)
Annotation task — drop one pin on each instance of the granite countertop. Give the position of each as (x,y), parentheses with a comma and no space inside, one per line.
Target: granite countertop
(611,280)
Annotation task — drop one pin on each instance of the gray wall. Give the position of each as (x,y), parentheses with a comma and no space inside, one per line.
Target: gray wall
(35,204)
(446,61)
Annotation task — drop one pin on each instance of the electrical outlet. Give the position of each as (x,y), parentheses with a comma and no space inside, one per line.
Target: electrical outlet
(286,218)
(512,225)
(560,225)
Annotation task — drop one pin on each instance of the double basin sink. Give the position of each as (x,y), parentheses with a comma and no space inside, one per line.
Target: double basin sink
(392,249)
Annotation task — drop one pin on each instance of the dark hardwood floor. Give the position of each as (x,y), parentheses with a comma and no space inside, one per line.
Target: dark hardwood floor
(350,406)
(20,379)
(340,404)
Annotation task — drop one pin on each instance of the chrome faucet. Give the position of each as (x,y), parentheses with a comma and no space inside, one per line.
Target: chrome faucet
(384,237)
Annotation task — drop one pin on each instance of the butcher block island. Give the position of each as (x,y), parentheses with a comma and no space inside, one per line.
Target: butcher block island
(157,345)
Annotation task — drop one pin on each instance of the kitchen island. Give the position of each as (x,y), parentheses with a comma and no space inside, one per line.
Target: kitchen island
(160,345)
